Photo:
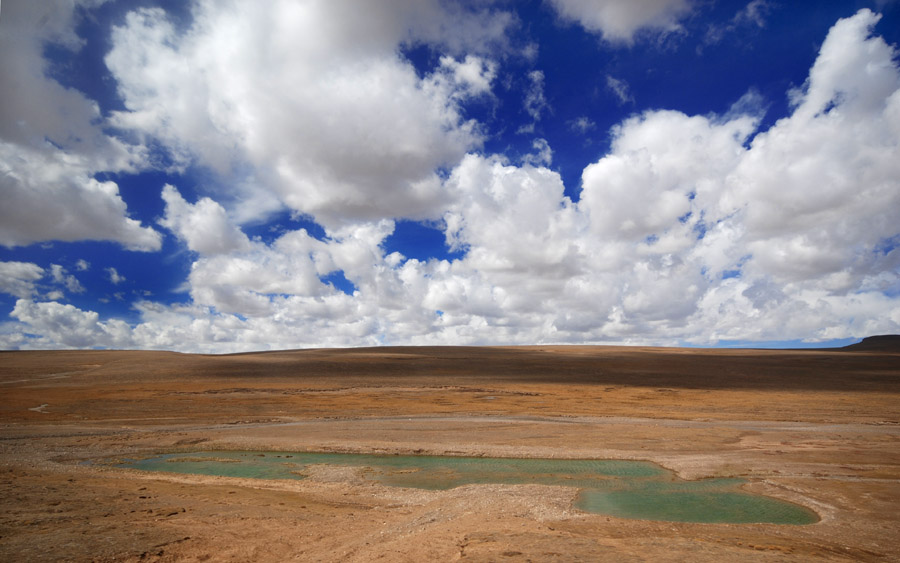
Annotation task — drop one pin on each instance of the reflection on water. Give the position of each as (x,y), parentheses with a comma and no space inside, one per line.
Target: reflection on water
(627,489)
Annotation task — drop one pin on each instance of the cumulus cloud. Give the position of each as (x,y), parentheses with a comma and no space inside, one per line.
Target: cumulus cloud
(51,195)
(18,278)
(473,75)
(620,20)
(801,215)
(510,218)
(62,277)
(692,228)
(36,107)
(233,274)
(52,142)
(660,163)
(114,276)
(66,326)
(310,105)
(542,155)
(203,226)
(827,175)
(535,103)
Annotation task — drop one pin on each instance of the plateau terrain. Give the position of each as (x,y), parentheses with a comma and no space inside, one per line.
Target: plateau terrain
(817,428)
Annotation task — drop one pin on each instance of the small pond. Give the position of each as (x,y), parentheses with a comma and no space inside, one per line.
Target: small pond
(627,489)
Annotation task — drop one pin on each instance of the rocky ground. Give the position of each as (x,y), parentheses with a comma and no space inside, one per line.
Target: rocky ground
(819,428)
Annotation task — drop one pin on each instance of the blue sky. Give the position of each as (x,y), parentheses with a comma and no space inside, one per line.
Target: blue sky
(219,176)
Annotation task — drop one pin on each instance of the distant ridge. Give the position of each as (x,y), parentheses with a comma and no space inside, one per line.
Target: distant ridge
(880,343)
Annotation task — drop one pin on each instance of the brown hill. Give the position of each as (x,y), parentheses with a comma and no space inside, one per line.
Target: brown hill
(880,343)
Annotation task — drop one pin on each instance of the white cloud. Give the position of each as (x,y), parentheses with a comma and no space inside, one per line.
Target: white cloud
(582,125)
(473,75)
(692,228)
(114,276)
(542,155)
(36,107)
(309,105)
(621,20)
(753,15)
(824,183)
(513,220)
(62,277)
(659,161)
(802,214)
(66,326)
(535,102)
(52,142)
(204,226)
(18,278)
(755,12)
(620,88)
(253,279)
(51,195)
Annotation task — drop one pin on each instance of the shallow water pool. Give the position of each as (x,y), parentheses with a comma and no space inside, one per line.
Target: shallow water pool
(627,489)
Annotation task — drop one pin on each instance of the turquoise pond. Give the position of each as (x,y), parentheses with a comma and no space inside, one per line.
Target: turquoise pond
(627,489)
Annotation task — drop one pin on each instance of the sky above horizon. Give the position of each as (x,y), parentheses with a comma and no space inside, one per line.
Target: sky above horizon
(222,176)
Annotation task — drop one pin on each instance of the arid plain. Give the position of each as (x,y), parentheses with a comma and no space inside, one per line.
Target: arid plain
(820,428)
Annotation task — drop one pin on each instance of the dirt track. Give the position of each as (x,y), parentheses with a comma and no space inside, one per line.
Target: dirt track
(821,428)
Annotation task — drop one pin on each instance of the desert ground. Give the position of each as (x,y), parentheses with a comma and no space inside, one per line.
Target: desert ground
(820,428)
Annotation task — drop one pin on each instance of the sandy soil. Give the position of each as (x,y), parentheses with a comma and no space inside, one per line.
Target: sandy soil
(820,428)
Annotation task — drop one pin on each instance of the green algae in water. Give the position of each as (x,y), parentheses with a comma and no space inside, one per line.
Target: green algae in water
(223,464)
(440,473)
(711,507)
(626,489)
